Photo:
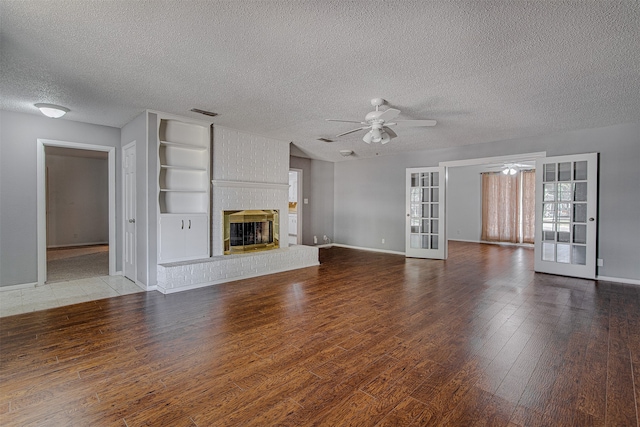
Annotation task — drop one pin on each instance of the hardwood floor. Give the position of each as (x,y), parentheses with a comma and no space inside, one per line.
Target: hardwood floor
(365,339)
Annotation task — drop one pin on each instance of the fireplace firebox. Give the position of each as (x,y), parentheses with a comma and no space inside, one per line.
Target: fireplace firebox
(250,231)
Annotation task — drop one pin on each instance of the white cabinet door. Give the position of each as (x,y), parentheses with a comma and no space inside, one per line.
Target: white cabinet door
(566,208)
(172,238)
(425,232)
(196,236)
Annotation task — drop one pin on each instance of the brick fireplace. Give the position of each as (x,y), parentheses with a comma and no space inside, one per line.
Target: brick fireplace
(250,173)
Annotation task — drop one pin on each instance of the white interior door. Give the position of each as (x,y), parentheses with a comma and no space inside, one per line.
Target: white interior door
(566,221)
(425,229)
(129,167)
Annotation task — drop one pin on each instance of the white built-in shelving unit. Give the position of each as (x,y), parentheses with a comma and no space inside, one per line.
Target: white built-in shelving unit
(183,190)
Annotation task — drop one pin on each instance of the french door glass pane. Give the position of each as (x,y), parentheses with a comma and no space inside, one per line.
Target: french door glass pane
(549,172)
(580,212)
(564,171)
(563,253)
(580,192)
(415,180)
(434,241)
(579,255)
(549,192)
(434,226)
(565,192)
(580,233)
(415,241)
(548,252)
(580,171)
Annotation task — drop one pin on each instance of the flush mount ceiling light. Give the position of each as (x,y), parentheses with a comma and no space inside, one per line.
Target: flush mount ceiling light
(52,110)
(346,153)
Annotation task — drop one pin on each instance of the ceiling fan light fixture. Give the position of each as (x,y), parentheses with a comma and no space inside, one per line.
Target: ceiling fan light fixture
(52,110)
(367,137)
(385,138)
(510,170)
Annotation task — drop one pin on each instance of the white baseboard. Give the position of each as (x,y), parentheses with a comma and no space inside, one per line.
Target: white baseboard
(618,280)
(18,286)
(384,251)
(523,245)
(73,245)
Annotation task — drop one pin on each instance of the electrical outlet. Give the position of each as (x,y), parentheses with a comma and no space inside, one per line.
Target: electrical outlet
(600,262)
(306,201)
(383,241)
(315,240)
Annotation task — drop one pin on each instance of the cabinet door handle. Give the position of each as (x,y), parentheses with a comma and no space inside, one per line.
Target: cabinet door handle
(182,224)
(189,224)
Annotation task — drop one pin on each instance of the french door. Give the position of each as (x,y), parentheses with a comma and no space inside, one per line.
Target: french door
(425,227)
(566,208)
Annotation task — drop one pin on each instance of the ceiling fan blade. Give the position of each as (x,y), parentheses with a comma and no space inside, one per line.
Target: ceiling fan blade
(345,121)
(390,132)
(413,123)
(352,131)
(389,114)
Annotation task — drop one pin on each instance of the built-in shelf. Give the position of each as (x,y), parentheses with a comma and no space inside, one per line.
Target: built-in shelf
(184,168)
(183,190)
(184,146)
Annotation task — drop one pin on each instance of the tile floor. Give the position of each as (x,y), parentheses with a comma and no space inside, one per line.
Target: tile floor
(59,294)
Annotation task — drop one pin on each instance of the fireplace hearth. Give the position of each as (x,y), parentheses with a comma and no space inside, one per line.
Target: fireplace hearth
(250,231)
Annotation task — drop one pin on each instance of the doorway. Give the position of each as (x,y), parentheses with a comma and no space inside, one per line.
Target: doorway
(295,207)
(463,218)
(107,153)
(77,210)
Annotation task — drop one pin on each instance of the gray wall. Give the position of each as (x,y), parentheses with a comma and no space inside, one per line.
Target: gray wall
(77,200)
(317,187)
(18,219)
(370,194)
(464,203)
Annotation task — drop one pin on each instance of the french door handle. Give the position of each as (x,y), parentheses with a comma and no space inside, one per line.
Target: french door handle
(189,224)
(592,219)
(182,227)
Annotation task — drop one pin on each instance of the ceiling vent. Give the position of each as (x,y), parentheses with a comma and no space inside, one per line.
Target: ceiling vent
(206,113)
(325,139)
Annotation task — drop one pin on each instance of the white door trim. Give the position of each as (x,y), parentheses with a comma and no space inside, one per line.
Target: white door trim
(299,206)
(42,202)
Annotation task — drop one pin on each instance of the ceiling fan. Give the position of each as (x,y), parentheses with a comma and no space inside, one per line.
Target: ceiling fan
(379,123)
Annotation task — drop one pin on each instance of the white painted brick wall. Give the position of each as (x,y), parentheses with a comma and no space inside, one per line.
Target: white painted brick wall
(239,156)
(180,276)
(242,157)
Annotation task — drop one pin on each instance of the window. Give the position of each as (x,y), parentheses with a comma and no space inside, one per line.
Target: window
(508,207)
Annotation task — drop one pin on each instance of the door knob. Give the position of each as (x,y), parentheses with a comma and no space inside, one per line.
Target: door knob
(131,221)
(592,219)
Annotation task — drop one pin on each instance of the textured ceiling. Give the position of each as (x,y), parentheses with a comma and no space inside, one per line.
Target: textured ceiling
(485,70)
